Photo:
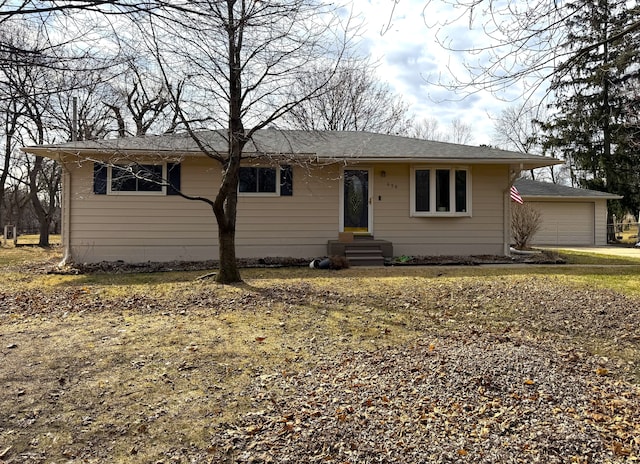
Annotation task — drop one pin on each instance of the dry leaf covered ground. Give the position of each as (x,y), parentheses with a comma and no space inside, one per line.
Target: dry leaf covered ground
(414,365)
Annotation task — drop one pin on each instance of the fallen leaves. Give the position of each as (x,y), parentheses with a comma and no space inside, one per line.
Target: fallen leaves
(411,406)
(496,370)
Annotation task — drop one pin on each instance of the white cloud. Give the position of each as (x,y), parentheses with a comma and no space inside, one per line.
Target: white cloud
(412,62)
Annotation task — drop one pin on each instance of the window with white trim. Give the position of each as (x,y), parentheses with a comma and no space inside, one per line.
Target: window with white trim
(140,179)
(440,191)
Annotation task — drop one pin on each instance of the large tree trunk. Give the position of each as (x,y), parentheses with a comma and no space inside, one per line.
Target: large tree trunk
(226,204)
(225,209)
(44,218)
(44,232)
(228,272)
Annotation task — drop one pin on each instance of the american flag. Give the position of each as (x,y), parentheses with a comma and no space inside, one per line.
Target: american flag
(515,195)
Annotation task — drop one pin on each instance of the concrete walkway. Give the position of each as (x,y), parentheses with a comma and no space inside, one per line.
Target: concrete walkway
(609,250)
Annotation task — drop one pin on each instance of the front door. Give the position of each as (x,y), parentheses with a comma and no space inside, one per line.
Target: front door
(356,201)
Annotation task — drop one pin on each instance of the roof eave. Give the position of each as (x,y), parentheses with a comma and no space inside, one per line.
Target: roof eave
(59,153)
(523,164)
(570,197)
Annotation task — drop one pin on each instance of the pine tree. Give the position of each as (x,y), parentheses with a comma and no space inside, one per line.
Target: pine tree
(593,92)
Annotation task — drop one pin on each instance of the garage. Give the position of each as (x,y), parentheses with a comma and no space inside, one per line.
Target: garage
(570,216)
(565,223)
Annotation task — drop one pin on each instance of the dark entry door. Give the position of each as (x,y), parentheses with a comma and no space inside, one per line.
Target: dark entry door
(356,200)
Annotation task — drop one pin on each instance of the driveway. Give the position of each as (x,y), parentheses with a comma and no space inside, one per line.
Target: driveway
(610,250)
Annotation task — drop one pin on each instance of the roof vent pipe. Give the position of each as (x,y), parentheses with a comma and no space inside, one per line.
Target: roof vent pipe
(74,120)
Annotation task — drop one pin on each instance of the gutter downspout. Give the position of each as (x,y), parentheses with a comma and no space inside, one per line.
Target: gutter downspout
(66,192)
(506,229)
(66,215)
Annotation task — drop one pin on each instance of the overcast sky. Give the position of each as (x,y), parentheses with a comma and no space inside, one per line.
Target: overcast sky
(409,58)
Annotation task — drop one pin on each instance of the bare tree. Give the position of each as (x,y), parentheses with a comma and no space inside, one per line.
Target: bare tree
(515,129)
(141,95)
(352,99)
(45,207)
(245,60)
(82,106)
(42,9)
(426,129)
(15,208)
(518,128)
(21,78)
(522,43)
(29,83)
(461,132)
(44,178)
(10,112)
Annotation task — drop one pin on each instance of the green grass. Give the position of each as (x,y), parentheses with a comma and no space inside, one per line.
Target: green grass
(10,255)
(596,259)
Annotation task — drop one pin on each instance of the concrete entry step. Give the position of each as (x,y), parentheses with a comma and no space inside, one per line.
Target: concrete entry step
(361,250)
(370,256)
(365,261)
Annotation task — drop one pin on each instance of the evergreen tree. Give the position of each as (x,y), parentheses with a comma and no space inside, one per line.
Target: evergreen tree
(593,95)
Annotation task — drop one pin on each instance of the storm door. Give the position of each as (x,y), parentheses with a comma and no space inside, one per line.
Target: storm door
(356,201)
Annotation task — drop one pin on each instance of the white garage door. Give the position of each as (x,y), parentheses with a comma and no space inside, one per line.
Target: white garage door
(565,223)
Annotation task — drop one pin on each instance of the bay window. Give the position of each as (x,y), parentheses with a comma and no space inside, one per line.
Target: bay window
(440,191)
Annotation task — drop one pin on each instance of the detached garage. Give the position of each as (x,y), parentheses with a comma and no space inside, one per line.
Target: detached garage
(570,216)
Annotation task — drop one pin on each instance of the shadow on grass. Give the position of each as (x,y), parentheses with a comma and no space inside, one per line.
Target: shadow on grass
(593,267)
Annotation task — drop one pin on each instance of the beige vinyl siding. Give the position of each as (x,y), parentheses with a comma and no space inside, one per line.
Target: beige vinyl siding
(139,228)
(291,226)
(566,223)
(482,233)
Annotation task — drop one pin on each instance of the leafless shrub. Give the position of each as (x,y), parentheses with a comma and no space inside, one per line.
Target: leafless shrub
(525,222)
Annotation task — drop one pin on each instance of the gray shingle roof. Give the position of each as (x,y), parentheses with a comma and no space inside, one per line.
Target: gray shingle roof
(342,145)
(531,188)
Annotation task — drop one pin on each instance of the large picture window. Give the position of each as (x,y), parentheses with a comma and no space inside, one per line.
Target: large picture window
(440,191)
(136,179)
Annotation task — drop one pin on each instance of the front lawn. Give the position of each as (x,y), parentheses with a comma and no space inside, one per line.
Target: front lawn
(418,364)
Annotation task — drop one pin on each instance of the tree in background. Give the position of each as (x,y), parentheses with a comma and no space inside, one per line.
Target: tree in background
(426,129)
(429,129)
(518,128)
(522,47)
(80,109)
(29,81)
(43,10)
(588,125)
(352,99)
(140,94)
(461,132)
